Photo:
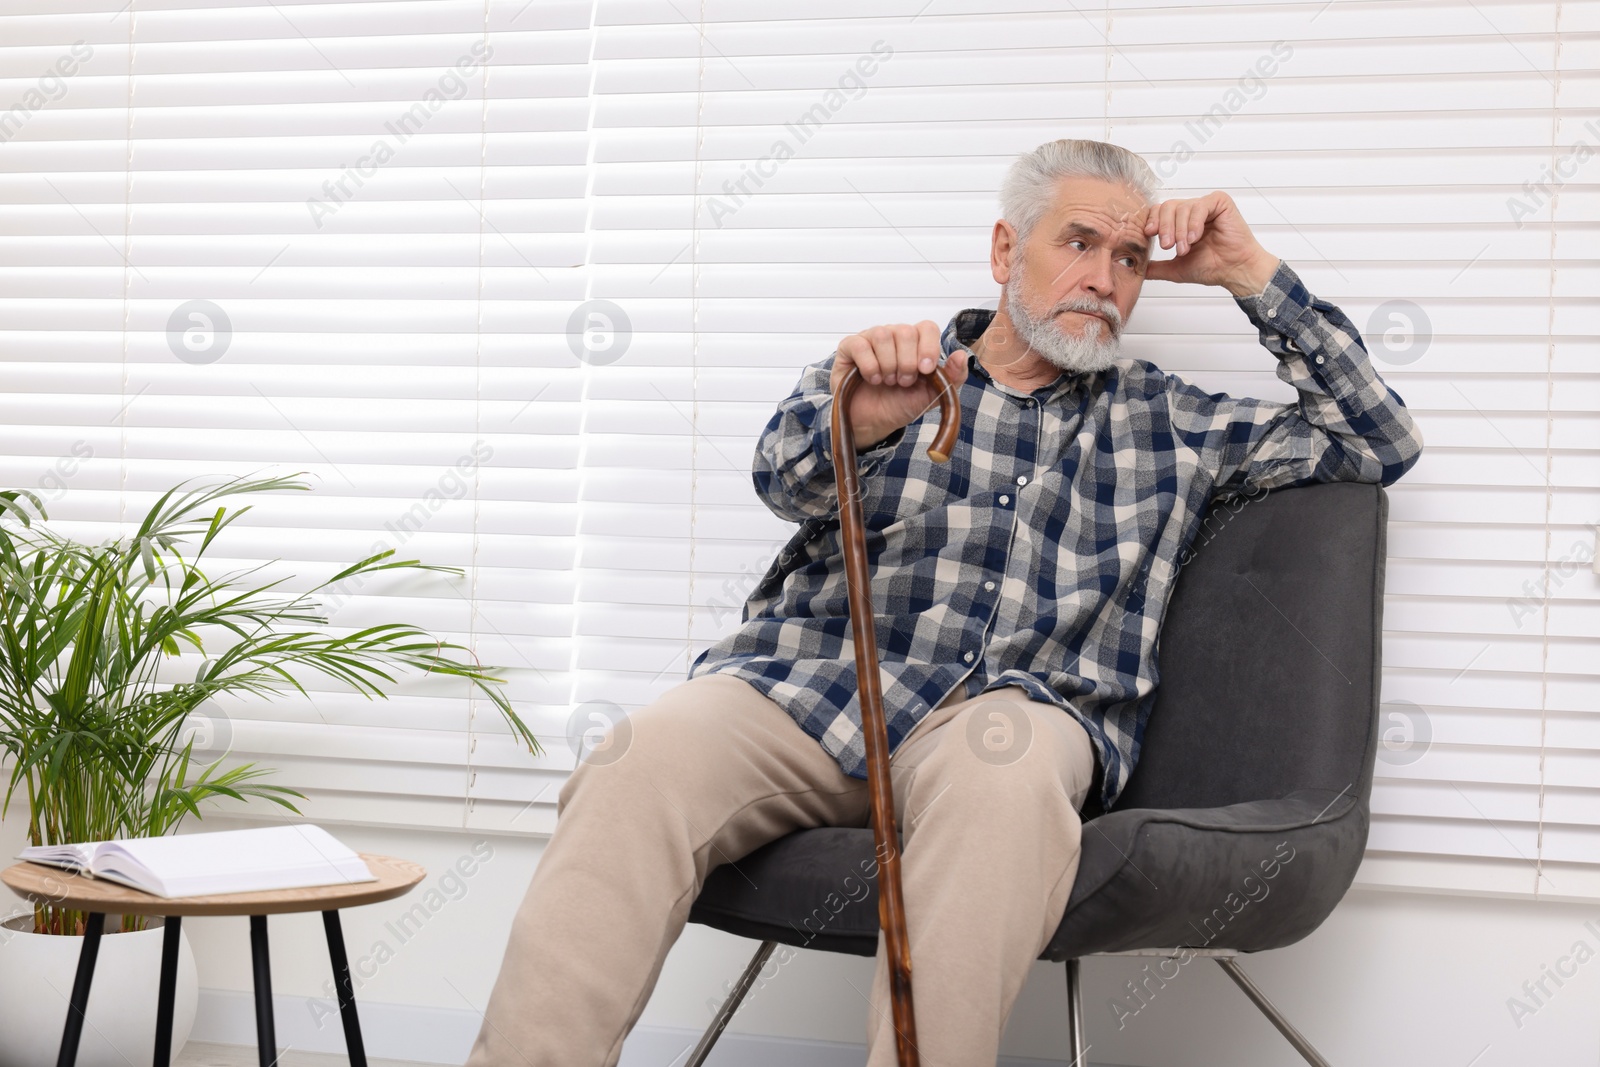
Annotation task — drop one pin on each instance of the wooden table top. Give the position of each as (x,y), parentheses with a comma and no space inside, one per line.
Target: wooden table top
(44,884)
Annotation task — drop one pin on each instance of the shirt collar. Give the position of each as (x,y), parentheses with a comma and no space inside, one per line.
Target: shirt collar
(964,329)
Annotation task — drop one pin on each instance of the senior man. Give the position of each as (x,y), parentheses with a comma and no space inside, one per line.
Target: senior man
(1020,589)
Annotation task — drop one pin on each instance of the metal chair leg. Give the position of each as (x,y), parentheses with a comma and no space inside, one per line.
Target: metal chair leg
(78,1003)
(731,1005)
(266,1031)
(171,931)
(355,1048)
(1075,1039)
(1301,1045)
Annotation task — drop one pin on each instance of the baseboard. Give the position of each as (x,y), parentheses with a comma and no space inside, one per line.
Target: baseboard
(445,1035)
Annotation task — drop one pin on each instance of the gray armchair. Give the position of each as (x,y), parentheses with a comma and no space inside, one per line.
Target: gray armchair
(1247,812)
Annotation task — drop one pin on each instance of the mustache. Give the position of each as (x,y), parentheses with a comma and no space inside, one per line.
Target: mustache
(1108,312)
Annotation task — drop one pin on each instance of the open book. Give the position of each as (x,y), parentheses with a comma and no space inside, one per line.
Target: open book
(290,856)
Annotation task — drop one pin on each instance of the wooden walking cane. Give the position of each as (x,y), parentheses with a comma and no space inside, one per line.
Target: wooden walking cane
(858,584)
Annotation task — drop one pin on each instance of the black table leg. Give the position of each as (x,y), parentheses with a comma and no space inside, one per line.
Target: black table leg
(347,992)
(168,991)
(79,1002)
(266,1034)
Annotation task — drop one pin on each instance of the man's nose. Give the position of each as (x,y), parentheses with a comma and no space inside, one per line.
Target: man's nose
(1099,279)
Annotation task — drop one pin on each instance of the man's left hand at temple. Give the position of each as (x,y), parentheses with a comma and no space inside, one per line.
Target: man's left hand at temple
(1215,245)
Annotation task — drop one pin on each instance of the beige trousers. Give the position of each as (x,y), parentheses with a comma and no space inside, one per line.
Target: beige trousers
(986,793)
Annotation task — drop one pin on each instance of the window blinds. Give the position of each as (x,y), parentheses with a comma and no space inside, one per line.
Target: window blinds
(583,279)
(314,237)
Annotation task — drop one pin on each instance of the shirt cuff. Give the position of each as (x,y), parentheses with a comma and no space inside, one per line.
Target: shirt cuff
(1282,307)
(822,436)
(1284,285)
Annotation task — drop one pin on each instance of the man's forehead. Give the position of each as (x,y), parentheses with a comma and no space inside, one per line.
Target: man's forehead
(1120,209)
(1120,218)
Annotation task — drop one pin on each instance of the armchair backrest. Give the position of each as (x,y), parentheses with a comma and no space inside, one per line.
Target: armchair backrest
(1270,653)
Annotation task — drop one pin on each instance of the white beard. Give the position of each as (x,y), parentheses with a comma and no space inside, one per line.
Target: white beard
(1095,349)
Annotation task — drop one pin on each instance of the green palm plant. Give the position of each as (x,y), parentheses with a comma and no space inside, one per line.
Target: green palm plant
(86,629)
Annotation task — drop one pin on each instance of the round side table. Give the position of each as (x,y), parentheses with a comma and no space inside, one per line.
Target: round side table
(45,884)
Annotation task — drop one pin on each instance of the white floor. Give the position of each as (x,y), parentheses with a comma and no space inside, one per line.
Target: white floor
(645,1048)
(205,1054)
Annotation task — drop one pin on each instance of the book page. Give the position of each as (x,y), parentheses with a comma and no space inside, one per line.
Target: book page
(236,861)
(74,856)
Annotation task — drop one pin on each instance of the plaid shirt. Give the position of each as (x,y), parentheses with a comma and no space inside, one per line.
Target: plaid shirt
(1043,553)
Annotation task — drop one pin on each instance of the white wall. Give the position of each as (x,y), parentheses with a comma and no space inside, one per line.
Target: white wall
(1390,980)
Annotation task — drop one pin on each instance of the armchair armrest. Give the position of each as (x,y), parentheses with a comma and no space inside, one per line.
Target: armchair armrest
(1250,876)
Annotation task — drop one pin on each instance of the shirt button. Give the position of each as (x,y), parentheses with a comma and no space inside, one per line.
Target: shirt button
(1005,500)
(1022,479)
(1271,312)
(1319,359)
(989,586)
(968,657)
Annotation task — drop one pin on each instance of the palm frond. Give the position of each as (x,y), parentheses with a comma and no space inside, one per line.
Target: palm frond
(85,629)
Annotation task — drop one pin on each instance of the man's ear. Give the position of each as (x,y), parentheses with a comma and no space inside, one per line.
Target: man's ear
(1002,251)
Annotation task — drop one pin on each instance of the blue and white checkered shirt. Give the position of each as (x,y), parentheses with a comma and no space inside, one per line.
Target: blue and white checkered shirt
(1043,553)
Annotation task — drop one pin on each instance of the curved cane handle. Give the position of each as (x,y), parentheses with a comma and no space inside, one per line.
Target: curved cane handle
(944,441)
(875,734)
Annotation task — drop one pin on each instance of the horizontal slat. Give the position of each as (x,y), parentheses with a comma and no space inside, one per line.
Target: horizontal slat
(333,807)
(1469,837)
(1490,803)
(1453,874)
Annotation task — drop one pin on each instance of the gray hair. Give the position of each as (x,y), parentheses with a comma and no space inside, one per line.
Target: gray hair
(1030,183)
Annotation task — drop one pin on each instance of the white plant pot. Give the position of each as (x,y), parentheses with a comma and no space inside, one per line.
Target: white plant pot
(36,975)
